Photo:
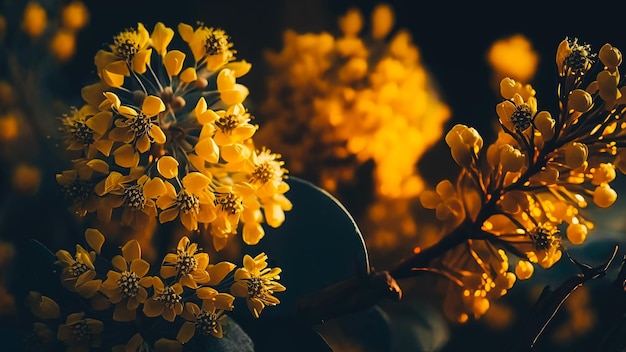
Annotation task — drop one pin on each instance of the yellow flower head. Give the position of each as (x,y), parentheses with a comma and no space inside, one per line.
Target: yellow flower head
(125,285)
(166,301)
(210,46)
(256,282)
(80,333)
(188,264)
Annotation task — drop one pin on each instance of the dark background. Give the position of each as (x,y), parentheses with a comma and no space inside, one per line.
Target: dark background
(452,37)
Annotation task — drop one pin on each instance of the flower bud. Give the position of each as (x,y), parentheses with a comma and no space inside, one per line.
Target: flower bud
(511,158)
(580,100)
(561,53)
(610,56)
(383,20)
(351,23)
(507,88)
(577,233)
(604,196)
(549,175)
(604,173)
(607,83)
(576,155)
(545,124)
(524,269)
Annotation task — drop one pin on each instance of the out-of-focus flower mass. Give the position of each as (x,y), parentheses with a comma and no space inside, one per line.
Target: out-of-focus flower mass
(337,102)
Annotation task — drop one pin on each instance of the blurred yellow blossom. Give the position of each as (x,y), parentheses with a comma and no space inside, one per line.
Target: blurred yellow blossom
(34,20)
(353,98)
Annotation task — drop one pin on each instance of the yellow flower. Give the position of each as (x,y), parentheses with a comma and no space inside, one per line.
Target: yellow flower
(85,129)
(517,114)
(188,264)
(231,202)
(79,271)
(208,321)
(80,333)
(138,126)
(129,51)
(210,46)
(255,282)
(125,286)
(136,192)
(166,301)
(193,203)
(78,187)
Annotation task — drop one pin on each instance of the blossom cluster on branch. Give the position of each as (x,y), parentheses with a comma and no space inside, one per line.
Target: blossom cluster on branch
(526,193)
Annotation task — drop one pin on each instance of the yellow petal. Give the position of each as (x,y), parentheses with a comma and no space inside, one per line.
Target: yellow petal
(154,188)
(98,165)
(168,271)
(118,263)
(219,271)
(188,75)
(185,31)
(92,94)
(103,58)
(113,99)
(141,60)
(118,68)
(168,215)
(208,150)
(206,292)
(168,166)
(186,332)
(100,122)
(226,80)
(173,62)
(95,239)
(239,289)
(161,38)
(142,144)
(239,68)
(125,156)
(131,251)
(112,79)
(157,134)
(152,105)
(139,267)
(195,181)
(200,108)
(234,96)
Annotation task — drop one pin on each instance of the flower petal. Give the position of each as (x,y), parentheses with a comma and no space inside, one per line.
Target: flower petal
(95,239)
(139,267)
(168,166)
(173,62)
(186,332)
(131,251)
(152,105)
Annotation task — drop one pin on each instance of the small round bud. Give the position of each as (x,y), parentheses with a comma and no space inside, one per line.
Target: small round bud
(607,84)
(604,196)
(576,154)
(524,269)
(610,56)
(580,100)
(577,233)
(511,158)
(382,21)
(351,23)
(545,124)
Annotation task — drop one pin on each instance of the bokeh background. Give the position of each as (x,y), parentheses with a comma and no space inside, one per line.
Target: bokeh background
(453,40)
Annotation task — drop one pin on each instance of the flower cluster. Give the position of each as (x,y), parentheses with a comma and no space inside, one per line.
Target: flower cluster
(164,134)
(336,103)
(128,301)
(526,193)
